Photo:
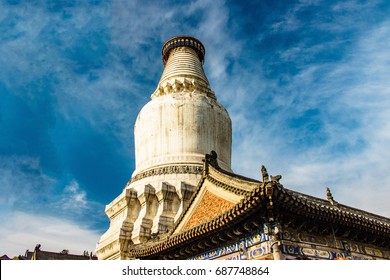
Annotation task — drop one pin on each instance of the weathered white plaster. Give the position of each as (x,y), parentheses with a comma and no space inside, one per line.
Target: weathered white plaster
(179,125)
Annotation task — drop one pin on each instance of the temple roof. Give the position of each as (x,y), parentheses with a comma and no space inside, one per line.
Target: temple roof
(337,207)
(262,202)
(39,254)
(5,258)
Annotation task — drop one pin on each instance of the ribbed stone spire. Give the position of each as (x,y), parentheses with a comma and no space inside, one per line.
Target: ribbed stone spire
(180,41)
(183,58)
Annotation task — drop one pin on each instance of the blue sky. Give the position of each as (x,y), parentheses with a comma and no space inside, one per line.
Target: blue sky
(306,84)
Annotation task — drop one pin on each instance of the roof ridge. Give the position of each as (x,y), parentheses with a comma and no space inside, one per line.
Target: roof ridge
(209,176)
(248,203)
(342,207)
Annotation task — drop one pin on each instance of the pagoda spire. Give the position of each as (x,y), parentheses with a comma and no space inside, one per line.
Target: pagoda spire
(183,59)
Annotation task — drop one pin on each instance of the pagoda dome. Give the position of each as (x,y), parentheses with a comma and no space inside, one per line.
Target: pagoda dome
(183,121)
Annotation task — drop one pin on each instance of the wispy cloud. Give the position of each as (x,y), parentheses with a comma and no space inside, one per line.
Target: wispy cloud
(36,210)
(350,99)
(26,188)
(25,230)
(306,85)
(22,182)
(74,197)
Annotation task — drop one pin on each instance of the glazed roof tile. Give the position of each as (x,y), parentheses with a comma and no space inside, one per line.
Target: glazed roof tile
(257,200)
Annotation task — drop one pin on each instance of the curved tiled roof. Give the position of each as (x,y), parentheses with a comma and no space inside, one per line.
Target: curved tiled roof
(322,210)
(234,215)
(339,207)
(221,178)
(262,200)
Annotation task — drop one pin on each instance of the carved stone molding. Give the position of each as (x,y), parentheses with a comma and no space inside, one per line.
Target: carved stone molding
(173,169)
(180,41)
(180,84)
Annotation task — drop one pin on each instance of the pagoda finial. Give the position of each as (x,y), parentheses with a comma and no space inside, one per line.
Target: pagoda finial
(180,41)
(183,58)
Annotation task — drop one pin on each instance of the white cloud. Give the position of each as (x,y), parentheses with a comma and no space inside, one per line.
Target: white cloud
(21,179)
(22,231)
(354,89)
(353,96)
(74,197)
(213,31)
(291,21)
(24,186)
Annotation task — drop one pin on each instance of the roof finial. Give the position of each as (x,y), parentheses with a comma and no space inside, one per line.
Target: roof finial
(212,159)
(276,178)
(264,173)
(330,196)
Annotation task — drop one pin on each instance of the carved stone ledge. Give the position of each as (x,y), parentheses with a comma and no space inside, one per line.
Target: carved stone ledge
(179,85)
(173,169)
